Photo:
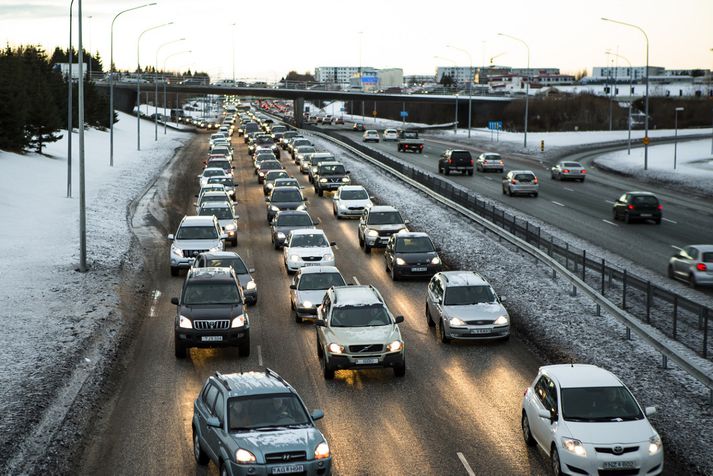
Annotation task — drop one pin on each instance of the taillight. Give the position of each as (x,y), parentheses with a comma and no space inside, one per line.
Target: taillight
(420,146)
(584,171)
(513,181)
(566,171)
(485,162)
(701,267)
(660,207)
(471,162)
(535,181)
(630,207)
(450,161)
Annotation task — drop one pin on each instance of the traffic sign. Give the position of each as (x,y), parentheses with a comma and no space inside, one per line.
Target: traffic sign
(646,140)
(404,113)
(495,125)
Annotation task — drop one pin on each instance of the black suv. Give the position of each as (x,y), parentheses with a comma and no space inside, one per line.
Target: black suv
(455,161)
(211,312)
(637,206)
(330,176)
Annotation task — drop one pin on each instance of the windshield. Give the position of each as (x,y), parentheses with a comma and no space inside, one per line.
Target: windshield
(300,142)
(217,197)
(414,245)
(251,127)
(306,149)
(524,177)
(385,218)
(572,164)
(225,181)
(301,219)
(285,195)
(492,157)
(361,316)
(264,140)
(213,172)
(286,183)
(277,129)
(223,164)
(592,404)
(312,240)
(410,135)
(707,257)
(264,156)
(270,165)
(289,135)
(275,174)
(466,295)
(317,281)
(211,293)
(266,412)
(336,169)
(645,200)
(235,263)
(354,195)
(221,213)
(197,233)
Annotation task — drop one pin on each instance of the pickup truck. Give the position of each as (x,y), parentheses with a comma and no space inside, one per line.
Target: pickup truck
(409,141)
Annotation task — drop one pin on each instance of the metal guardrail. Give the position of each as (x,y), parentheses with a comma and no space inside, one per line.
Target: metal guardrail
(530,240)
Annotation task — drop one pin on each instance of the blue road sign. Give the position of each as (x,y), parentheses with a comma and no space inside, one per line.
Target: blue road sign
(404,113)
(495,125)
(369,79)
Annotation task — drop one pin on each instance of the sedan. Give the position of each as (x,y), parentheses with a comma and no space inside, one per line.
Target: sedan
(307,248)
(488,161)
(390,135)
(308,288)
(693,264)
(350,201)
(370,136)
(224,259)
(638,206)
(566,170)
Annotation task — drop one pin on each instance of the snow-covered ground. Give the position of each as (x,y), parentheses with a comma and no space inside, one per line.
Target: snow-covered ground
(50,312)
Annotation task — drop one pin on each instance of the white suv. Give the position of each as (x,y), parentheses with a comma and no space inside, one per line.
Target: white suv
(588,422)
(195,235)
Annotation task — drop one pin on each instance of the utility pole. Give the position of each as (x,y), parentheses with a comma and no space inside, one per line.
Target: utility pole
(70,106)
(82,188)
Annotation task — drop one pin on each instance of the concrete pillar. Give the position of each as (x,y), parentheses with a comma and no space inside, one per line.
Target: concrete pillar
(298,108)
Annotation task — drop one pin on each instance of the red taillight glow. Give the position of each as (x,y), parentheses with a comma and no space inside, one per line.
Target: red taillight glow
(535,181)
(471,162)
(630,207)
(701,267)
(583,171)
(485,162)
(513,181)
(660,207)
(566,171)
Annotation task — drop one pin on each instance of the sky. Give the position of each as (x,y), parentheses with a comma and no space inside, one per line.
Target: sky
(271,38)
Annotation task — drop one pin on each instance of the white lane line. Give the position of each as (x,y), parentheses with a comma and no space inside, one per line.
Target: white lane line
(610,222)
(154,301)
(609,202)
(670,221)
(356,281)
(558,203)
(676,247)
(467,467)
(259,355)
(569,189)
(335,247)
(489,178)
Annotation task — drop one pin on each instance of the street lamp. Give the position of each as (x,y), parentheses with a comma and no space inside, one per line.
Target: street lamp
(527,87)
(470,83)
(138,82)
(646,104)
(631,94)
(675,137)
(111,82)
(80,120)
(155,109)
(233,54)
(164,86)
(70,85)
(455,123)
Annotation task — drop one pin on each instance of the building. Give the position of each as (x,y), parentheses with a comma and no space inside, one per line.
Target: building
(339,74)
(420,79)
(390,78)
(623,73)
(461,75)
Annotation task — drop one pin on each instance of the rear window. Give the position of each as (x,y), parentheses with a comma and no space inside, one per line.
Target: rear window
(335,169)
(524,177)
(645,200)
(286,195)
(460,154)
(572,164)
(707,257)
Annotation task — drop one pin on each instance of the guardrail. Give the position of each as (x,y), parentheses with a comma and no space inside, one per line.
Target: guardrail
(531,240)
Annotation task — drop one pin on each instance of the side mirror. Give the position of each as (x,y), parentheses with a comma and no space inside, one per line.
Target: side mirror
(267,199)
(371,198)
(171,237)
(650,411)
(406,222)
(223,236)
(293,286)
(348,172)
(546,414)
(251,270)
(399,319)
(319,221)
(305,199)
(317,415)
(503,299)
(205,162)
(213,421)
(195,196)
(174,300)
(195,204)
(332,243)
(320,323)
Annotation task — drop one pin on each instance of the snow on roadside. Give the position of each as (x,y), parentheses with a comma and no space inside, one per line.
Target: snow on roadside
(562,326)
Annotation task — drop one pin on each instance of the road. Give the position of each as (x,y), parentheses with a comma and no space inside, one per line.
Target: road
(457,403)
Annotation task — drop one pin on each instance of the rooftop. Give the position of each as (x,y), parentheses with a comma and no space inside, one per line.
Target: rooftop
(463,278)
(581,375)
(252,383)
(364,295)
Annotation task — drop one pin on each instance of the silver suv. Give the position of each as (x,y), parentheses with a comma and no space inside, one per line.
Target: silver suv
(309,287)
(195,235)
(693,263)
(376,226)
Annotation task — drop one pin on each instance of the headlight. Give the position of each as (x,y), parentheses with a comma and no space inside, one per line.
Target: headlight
(501,321)
(301,207)
(270,185)
(395,346)
(400,262)
(655,444)
(436,260)
(294,258)
(238,321)
(457,322)
(261,174)
(274,208)
(323,180)
(231,227)
(346,179)
(335,348)
(322,451)
(244,456)
(307,304)
(328,256)
(574,446)
(216,248)
(280,235)
(251,285)
(177,251)
(184,322)
(373,233)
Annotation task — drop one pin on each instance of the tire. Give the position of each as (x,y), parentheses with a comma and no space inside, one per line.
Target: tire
(275,245)
(179,348)
(670,272)
(447,170)
(552,175)
(174,271)
(327,370)
(658,221)
(429,318)
(627,218)
(394,275)
(470,173)
(692,281)
(367,248)
(298,319)
(235,242)
(320,192)
(509,190)
(400,370)
(223,470)
(442,333)
(244,348)
(504,192)
(526,433)
(320,352)
(361,242)
(555,463)
(198,453)
(535,194)
(581,180)
(614,215)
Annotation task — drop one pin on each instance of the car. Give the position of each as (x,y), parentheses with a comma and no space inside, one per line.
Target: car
(284,198)
(339,120)
(210,172)
(230,259)
(314,161)
(568,170)
(265,166)
(269,181)
(306,164)
(286,182)
(221,151)
(455,161)
(588,422)
(217,196)
(226,182)
(329,176)
(302,151)
(195,235)
(376,226)
(350,201)
(295,143)
(287,220)
(356,330)
(307,248)
(694,264)
(411,254)
(256,423)
(309,287)
(212,186)
(488,161)
(463,305)
(358,126)
(286,138)
(226,216)
(520,182)
(370,135)
(260,140)
(221,163)
(390,135)
(638,206)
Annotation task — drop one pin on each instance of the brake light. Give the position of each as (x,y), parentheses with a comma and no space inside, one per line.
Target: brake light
(420,146)
(583,171)
(471,162)
(535,181)
(566,171)
(660,207)
(513,181)
(450,161)
(485,162)
(701,267)
(630,207)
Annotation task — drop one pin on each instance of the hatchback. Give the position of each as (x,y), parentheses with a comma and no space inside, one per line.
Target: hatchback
(520,182)
(693,263)
(637,206)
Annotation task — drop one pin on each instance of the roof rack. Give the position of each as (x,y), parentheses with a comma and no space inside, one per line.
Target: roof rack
(221,378)
(272,373)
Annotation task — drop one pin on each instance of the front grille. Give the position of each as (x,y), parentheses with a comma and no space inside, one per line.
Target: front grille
(211,325)
(618,472)
(356,208)
(626,449)
(286,457)
(311,258)
(478,323)
(366,348)
(192,253)
(386,232)
(335,180)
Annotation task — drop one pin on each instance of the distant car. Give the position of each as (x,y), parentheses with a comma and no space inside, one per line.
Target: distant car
(210,172)
(463,305)
(359,127)
(411,254)
(638,206)
(390,135)
(329,177)
(587,422)
(694,264)
(194,236)
(286,221)
(286,182)
(488,161)
(350,201)
(217,196)
(339,120)
(308,288)
(456,161)
(265,166)
(370,135)
(376,226)
(302,151)
(230,259)
(226,216)
(567,170)
(307,248)
(286,136)
(226,182)
(221,163)
(284,198)
(520,182)
(270,177)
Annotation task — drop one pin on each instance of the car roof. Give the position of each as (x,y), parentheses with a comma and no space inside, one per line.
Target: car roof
(704,248)
(382,208)
(522,172)
(363,295)
(214,204)
(216,193)
(318,269)
(639,193)
(412,234)
(253,383)
(581,375)
(221,254)
(463,278)
(352,187)
(193,220)
(213,168)
(318,155)
(308,231)
(333,162)
(210,274)
(292,212)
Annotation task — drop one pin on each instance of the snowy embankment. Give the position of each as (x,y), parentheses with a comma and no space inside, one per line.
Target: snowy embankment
(52,315)
(561,326)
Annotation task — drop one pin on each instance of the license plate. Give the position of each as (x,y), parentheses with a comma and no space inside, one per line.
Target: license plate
(367,361)
(313,263)
(480,331)
(288,468)
(643,215)
(419,270)
(211,338)
(619,465)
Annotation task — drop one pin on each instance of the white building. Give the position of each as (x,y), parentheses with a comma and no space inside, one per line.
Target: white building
(460,74)
(419,79)
(339,74)
(624,73)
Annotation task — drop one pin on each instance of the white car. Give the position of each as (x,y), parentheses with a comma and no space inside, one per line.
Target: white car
(588,422)
(309,287)
(307,248)
(210,172)
(390,134)
(370,136)
(350,201)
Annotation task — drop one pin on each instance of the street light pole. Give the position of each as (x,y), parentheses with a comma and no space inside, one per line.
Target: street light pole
(70,86)
(155,109)
(631,95)
(646,100)
(233,54)
(470,85)
(80,112)
(675,137)
(164,86)
(455,124)
(527,87)
(138,82)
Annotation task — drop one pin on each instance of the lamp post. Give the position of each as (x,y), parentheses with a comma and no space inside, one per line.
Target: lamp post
(155,109)
(164,85)
(234,54)
(138,82)
(111,82)
(646,94)
(70,85)
(470,84)
(455,123)
(527,87)
(675,136)
(631,95)
(80,113)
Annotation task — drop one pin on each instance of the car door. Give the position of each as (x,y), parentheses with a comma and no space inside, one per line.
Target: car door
(323,314)
(389,253)
(432,298)
(215,436)
(438,295)
(293,292)
(362,223)
(336,198)
(682,262)
(539,425)
(203,408)
(620,205)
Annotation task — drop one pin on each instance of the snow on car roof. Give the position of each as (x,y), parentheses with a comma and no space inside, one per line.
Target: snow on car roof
(193,220)
(318,269)
(463,278)
(581,375)
(364,295)
(383,208)
(251,383)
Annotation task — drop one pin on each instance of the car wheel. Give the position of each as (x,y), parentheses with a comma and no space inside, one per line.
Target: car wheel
(235,242)
(429,318)
(298,319)
(394,275)
(442,332)
(334,211)
(692,281)
(670,271)
(179,348)
(447,170)
(276,245)
(367,248)
(504,192)
(658,221)
(174,271)
(627,218)
(244,348)
(552,175)
(581,180)
(509,192)
(470,172)
(223,470)
(320,192)
(614,215)
(555,462)
(361,241)
(526,433)
(327,370)
(400,370)
(535,194)
(200,455)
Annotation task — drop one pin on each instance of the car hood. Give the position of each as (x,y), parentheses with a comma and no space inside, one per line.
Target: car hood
(364,335)
(484,312)
(417,258)
(317,251)
(315,297)
(355,203)
(624,432)
(244,279)
(211,311)
(196,244)
(286,205)
(279,441)
(388,227)
(287,229)
(227,221)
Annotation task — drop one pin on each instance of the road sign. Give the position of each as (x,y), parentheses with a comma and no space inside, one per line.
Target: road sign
(495,125)
(404,113)
(369,79)
(646,140)
(373,113)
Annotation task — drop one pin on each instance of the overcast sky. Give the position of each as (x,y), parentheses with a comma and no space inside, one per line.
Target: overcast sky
(273,37)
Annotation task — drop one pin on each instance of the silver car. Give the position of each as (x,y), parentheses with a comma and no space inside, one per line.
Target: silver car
(567,170)
(350,201)
(462,305)
(226,216)
(488,161)
(195,235)
(520,182)
(225,259)
(306,248)
(308,288)
(694,264)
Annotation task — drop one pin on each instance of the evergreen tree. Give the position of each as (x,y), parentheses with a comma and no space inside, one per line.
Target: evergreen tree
(13,104)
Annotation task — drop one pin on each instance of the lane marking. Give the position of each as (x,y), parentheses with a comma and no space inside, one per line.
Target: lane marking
(611,223)
(259,355)
(670,221)
(489,178)
(154,301)
(335,247)
(467,467)
(558,203)
(569,189)
(609,202)
(676,247)
(356,281)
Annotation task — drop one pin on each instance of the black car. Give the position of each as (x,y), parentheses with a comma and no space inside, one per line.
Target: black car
(265,166)
(284,198)
(411,254)
(329,177)
(456,161)
(211,312)
(287,220)
(230,259)
(638,206)
(270,177)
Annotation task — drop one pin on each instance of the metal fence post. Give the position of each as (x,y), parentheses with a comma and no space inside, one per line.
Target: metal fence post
(675,315)
(584,265)
(705,333)
(539,237)
(527,231)
(623,292)
(603,266)
(648,302)
(566,255)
